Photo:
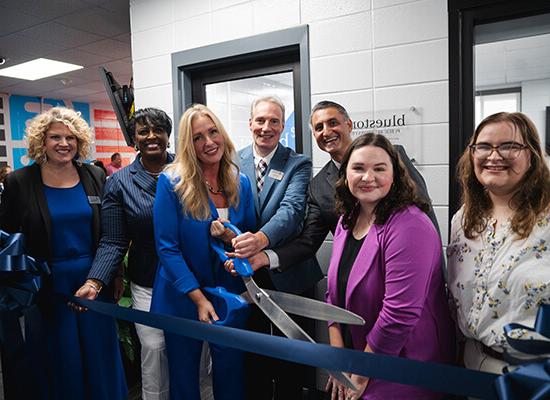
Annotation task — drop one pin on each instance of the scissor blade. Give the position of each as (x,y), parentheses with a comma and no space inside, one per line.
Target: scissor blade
(314,309)
(282,321)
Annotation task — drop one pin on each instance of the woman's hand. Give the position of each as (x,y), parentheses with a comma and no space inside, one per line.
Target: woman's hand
(230,267)
(336,389)
(206,312)
(205,309)
(89,291)
(360,383)
(219,231)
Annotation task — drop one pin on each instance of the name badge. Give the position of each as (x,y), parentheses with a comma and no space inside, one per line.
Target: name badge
(94,200)
(278,175)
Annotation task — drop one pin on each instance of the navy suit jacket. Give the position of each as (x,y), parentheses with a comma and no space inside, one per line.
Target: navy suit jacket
(127,221)
(280,209)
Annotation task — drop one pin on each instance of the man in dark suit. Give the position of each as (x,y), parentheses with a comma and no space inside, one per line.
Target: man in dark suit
(279,179)
(331,126)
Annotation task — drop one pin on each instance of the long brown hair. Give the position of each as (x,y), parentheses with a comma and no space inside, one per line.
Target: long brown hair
(191,188)
(532,195)
(403,191)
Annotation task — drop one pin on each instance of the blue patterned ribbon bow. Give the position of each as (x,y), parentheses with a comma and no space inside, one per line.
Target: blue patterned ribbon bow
(20,274)
(531,380)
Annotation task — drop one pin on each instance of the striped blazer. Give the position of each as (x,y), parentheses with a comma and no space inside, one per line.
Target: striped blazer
(127,224)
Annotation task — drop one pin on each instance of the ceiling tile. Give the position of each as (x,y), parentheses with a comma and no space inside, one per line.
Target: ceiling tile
(14,20)
(112,49)
(47,9)
(76,56)
(97,20)
(18,44)
(65,36)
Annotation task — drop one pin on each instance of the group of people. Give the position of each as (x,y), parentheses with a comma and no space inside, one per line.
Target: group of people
(386,265)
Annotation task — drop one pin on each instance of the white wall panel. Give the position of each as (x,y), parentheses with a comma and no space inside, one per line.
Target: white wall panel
(412,63)
(430,99)
(360,101)
(436,178)
(271,15)
(155,96)
(153,42)
(442,215)
(147,14)
(218,4)
(341,73)
(389,3)
(190,8)
(410,22)
(192,32)
(426,144)
(231,23)
(313,10)
(328,37)
(152,72)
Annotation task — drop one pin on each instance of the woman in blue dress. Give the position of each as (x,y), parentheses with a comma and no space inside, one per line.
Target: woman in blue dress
(200,186)
(55,203)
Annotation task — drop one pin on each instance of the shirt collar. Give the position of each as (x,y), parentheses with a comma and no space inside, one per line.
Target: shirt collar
(267,158)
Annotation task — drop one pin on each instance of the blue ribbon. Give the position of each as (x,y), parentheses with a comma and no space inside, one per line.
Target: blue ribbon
(20,274)
(530,381)
(20,282)
(437,377)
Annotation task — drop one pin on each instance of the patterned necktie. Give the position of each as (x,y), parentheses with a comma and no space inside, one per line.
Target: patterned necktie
(261,170)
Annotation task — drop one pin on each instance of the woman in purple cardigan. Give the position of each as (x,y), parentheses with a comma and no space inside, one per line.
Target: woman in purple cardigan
(386,267)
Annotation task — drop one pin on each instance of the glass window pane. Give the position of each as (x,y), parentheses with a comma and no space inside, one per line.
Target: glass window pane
(231,101)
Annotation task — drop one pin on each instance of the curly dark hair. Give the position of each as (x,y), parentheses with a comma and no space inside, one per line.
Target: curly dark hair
(532,192)
(403,190)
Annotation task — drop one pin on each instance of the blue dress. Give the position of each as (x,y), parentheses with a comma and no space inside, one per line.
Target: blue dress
(83,351)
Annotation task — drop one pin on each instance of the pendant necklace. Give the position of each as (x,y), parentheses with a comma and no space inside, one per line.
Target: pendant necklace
(211,189)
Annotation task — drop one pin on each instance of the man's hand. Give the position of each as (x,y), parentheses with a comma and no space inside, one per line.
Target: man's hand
(248,244)
(259,260)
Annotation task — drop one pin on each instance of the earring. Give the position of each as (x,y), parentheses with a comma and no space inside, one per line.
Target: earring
(168,145)
(136,148)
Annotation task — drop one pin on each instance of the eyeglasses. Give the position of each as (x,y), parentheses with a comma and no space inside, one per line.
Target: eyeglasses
(508,150)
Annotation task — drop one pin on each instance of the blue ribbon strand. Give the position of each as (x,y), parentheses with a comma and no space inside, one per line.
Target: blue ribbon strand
(437,377)
(530,381)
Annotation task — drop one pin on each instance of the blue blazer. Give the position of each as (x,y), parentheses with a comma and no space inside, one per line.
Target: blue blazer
(186,261)
(280,210)
(127,221)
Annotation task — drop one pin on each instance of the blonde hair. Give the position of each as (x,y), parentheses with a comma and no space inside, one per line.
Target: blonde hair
(39,125)
(191,188)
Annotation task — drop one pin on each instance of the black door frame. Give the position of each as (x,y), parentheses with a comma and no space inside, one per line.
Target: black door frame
(464,15)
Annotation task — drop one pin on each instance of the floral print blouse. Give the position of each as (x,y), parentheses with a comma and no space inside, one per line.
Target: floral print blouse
(496,279)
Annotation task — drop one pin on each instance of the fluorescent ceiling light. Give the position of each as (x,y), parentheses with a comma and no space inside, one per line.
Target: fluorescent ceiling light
(38,69)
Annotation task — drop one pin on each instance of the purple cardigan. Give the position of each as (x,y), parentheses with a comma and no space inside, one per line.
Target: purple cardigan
(396,285)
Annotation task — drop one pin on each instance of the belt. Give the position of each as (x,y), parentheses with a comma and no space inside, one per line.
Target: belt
(492,353)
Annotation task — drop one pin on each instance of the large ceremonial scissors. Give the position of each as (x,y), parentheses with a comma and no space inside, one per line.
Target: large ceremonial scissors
(275,304)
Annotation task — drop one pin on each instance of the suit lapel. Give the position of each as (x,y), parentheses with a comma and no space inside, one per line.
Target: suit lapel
(247,168)
(364,260)
(141,178)
(278,163)
(331,174)
(42,202)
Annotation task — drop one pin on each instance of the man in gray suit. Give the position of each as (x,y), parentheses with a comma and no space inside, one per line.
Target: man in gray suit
(279,178)
(331,126)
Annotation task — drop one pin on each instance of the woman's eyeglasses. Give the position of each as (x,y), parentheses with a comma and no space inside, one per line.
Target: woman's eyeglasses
(508,150)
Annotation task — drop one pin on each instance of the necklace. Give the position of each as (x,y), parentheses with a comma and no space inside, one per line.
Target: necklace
(153,174)
(211,189)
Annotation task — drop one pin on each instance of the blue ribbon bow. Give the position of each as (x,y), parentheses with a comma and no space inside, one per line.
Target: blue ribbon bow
(531,380)
(20,274)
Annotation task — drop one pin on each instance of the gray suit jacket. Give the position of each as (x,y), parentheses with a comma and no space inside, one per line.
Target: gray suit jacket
(280,209)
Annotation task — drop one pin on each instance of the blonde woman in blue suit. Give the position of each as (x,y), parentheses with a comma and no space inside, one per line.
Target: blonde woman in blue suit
(200,186)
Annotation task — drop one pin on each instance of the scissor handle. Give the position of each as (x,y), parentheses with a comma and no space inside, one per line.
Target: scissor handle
(242,266)
(234,309)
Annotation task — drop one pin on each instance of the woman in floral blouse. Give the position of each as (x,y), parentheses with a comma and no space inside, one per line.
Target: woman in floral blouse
(499,261)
